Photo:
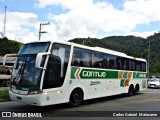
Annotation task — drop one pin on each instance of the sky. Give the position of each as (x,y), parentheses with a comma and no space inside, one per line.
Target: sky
(71,19)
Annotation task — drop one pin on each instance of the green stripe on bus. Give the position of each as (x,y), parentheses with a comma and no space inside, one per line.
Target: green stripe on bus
(73,71)
(122,83)
(134,74)
(112,74)
(125,75)
(83,73)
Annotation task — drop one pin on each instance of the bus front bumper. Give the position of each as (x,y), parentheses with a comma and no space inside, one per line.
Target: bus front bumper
(26,99)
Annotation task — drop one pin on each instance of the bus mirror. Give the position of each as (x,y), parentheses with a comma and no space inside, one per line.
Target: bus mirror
(40,60)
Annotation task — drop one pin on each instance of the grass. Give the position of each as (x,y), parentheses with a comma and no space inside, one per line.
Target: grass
(4,95)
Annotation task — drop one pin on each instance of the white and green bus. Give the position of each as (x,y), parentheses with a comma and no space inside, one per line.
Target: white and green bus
(47,73)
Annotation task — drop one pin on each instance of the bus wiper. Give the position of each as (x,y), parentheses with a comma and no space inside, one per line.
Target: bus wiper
(19,74)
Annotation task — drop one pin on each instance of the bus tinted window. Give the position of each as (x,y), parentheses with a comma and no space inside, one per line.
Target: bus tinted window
(77,57)
(118,63)
(112,61)
(133,65)
(98,60)
(87,58)
(82,58)
(143,65)
(138,66)
(121,63)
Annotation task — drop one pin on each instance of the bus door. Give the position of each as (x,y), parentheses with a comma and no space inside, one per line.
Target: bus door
(55,73)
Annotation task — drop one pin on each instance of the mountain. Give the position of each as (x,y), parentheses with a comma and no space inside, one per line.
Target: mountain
(131,45)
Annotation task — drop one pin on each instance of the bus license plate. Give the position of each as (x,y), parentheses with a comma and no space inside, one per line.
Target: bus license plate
(19,98)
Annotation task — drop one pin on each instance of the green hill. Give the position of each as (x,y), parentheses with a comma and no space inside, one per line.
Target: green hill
(131,45)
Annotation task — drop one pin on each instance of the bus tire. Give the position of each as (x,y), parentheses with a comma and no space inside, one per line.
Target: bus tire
(136,89)
(76,98)
(131,90)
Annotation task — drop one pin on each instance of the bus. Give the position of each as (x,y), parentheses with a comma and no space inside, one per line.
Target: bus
(54,72)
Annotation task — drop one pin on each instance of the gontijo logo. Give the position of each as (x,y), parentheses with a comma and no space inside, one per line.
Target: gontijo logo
(89,73)
(93,74)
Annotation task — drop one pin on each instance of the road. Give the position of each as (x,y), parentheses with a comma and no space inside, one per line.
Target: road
(148,100)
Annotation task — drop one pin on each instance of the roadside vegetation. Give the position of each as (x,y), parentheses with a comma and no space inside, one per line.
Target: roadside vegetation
(4,95)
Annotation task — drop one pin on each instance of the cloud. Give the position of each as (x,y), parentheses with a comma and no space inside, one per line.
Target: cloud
(85,18)
(82,19)
(66,4)
(21,25)
(143,11)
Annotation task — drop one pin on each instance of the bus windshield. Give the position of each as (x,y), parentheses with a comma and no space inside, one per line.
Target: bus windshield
(25,74)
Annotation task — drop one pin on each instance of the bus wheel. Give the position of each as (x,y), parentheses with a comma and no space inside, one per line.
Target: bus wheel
(76,98)
(131,90)
(136,90)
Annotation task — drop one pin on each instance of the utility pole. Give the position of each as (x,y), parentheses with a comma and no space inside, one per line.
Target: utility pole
(149,48)
(40,32)
(4,29)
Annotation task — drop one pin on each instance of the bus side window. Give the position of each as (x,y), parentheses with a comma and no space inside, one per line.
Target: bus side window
(118,63)
(76,62)
(133,64)
(143,65)
(112,62)
(98,60)
(138,66)
(86,58)
(77,57)
(127,64)
(123,63)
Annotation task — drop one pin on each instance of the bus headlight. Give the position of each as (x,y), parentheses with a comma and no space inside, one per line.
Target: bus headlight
(34,92)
